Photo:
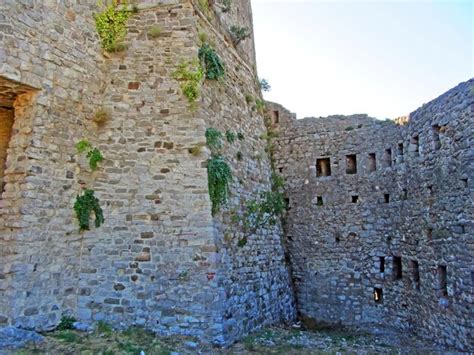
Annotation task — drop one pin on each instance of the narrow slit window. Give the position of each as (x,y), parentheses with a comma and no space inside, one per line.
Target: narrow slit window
(287,203)
(404,194)
(465,182)
(7,115)
(386,198)
(381,264)
(429,234)
(397,268)
(319,201)
(400,149)
(351,164)
(387,158)
(372,166)
(355,198)
(442,281)
(276,117)
(378,295)
(415,145)
(436,140)
(415,272)
(323,167)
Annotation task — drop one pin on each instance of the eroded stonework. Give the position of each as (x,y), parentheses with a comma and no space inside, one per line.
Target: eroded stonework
(161,260)
(382,235)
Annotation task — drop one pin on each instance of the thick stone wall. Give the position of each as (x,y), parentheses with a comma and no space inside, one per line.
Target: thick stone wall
(349,233)
(160,259)
(50,63)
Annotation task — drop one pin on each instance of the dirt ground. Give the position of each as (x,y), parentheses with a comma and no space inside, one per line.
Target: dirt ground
(274,340)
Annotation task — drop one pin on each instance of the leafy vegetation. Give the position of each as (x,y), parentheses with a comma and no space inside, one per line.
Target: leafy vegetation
(230,136)
(219,177)
(239,34)
(93,154)
(154,31)
(211,62)
(249,99)
(260,105)
(227,4)
(213,139)
(240,136)
(66,323)
(264,85)
(239,156)
(190,74)
(103,328)
(111,25)
(84,206)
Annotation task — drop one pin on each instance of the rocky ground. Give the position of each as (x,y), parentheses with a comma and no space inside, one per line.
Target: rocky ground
(275,340)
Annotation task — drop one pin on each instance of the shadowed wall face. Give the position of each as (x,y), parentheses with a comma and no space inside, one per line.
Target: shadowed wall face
(377,244)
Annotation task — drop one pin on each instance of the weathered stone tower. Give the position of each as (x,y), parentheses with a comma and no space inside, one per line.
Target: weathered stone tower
(380,226)
(161,259)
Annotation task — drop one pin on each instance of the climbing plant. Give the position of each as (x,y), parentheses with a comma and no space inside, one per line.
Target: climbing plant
(213,139)
(219,177)
(211,62)
(93,154)
(86,204)
(226,5)
(230,136)
(190,74)
(111,25)
(239,33)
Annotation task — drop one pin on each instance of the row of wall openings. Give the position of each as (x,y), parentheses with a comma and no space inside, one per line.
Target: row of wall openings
(415,273)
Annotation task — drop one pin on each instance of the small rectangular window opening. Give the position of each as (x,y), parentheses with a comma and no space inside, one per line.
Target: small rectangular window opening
(287,203)
(355,198)
(400,149)
(430,189)
(387,158)
(415,272)
(372,166)
(415,144)
(436,140)
(429,234)
(276,117)
(386,198)
(323,167)
(404,195)
(378,295)
(382,263)
(442,281)
(397,267)
(351,164)
(319,201)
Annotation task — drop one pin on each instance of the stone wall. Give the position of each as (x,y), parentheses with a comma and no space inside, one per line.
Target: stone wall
(50,63)
(160,259)
(349,233)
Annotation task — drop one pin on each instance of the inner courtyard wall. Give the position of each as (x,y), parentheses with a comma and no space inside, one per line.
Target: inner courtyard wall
(416,205)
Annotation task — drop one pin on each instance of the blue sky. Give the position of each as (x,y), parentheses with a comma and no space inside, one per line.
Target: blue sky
(383,58)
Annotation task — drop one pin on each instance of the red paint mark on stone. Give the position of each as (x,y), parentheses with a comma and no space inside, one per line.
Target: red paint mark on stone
(133,85)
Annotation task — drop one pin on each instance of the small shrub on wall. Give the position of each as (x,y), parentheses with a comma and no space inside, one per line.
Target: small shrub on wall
(190,74)
(219,177)
(85,205)
(111,25)
(211,62)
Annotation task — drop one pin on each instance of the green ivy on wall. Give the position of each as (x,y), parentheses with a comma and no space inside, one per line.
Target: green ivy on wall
(219,177)
(111,25)
(190,74)
(93,154)
(211,62)
(86,204)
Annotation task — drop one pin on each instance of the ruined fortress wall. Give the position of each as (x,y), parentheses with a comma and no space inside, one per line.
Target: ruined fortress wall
(160,259)
(50,75)
(253,277)
(390,246)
